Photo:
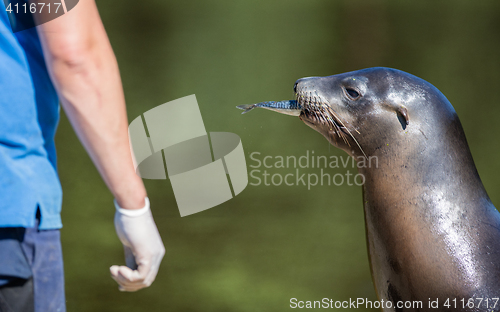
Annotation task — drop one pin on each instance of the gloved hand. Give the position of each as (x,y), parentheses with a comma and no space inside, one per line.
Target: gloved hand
(143,248)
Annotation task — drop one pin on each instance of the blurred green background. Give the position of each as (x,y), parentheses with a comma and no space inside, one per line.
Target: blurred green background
(270,243)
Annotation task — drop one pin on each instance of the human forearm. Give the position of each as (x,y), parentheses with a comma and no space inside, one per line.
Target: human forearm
(97,112)
(86,76)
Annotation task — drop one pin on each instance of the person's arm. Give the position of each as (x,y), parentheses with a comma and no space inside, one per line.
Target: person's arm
(84,70)
(85,73)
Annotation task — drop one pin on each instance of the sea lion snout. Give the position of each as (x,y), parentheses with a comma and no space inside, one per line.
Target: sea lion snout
(354,109)
(326,103)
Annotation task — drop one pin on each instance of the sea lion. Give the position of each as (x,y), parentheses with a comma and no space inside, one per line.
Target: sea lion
(432,231)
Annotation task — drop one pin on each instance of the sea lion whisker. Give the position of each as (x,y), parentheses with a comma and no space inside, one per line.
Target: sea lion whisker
(335,119)
(352,136)
(324,116)
(334,125)
(314,105)
(338,116)
(333,114)
(316,115)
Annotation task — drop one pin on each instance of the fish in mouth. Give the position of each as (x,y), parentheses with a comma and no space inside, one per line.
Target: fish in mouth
(313,110)
(291,108)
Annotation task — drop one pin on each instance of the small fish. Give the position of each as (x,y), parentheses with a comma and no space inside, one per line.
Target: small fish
(291,108)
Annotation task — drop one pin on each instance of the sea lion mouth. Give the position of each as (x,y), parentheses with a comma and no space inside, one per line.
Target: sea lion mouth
(317,112)
(319,115)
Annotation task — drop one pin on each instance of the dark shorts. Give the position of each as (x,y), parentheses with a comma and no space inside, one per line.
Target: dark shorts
(31,270)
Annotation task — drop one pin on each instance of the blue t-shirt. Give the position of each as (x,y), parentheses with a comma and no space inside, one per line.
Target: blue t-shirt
(29,113)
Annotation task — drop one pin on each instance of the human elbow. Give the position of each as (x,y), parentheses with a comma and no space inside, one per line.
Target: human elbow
(70,59)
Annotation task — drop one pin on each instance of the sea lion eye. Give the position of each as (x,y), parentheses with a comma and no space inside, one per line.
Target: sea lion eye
(353,94)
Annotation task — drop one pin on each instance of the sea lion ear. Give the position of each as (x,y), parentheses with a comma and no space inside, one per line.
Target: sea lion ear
(403,117)
(403,113)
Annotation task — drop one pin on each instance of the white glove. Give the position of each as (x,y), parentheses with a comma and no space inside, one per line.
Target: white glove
(143,248)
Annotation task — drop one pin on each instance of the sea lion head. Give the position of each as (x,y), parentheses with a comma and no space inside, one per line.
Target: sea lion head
(365,110)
